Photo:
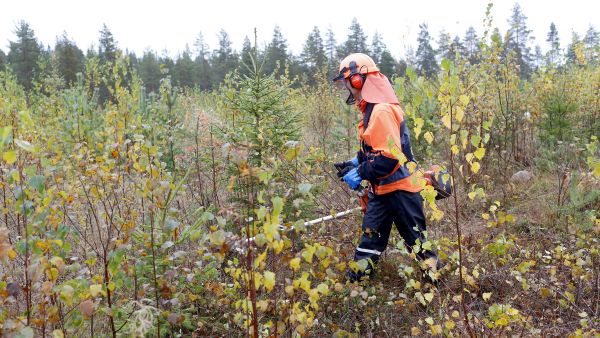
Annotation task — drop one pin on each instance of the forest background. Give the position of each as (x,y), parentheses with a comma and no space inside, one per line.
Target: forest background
(152,196)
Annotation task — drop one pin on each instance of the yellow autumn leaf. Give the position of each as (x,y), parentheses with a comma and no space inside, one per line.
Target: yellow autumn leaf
(95,290)
(269,280)
(464,100)
(295,264)
(479,153)
(475,167)
(460,113)
(449,324)
(418,125)
(415,331)
(428,137)
(455,149)
(446,120)
(486,295)
(12,254)
(10,157)
(436,329)
(323,289)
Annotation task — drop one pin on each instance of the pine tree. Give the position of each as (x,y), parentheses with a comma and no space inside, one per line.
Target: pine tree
(330,47)
(457,47)
(591,42)
(107,53)
(202,63)
(264,121)
(224,59)
(24,54)
(574,49)
(70,59)
(2,60)
(148,69)
(356,41)
(382,56)
(377,47)
(313,58)
(387,64)
(553,39)
(276,57)
(246,56)
(107,50)
(444,50)
(426,64)
(185,69)
(471,45)
(538,57)
(518,39)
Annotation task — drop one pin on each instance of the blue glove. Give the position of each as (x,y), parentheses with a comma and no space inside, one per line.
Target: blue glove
(352,178)
(354,161)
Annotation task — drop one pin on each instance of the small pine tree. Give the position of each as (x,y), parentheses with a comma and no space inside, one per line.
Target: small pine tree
(263,119)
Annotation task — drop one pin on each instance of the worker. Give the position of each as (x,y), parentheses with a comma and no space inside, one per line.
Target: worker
(394,188)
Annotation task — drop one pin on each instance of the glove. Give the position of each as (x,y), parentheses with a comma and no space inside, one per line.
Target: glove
(352,178)
(341,166)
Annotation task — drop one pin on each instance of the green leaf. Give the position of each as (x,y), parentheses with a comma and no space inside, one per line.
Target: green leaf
(37,182)
(5,135)
(446,64)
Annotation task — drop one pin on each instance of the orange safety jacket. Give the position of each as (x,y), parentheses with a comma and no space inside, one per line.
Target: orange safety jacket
(383,125)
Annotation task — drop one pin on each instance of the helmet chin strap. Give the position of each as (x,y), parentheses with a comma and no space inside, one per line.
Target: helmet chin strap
(351,99)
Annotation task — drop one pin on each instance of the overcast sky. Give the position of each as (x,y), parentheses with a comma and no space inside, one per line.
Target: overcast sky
(171,24)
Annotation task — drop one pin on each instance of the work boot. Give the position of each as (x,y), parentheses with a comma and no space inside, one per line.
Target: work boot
(360,276)
(428,270)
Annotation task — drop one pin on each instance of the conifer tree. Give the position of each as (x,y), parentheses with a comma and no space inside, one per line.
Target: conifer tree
(356,41)
(70,59)
(202,63)
(24,54)
(276,57)
(553,55)
(224,59)
(518,39)
(444,50)
(574,48)
(313,57)
(591,42)
(2,60)
(184,73)
(471,45)
(330,46)
(425,57)
(148,69)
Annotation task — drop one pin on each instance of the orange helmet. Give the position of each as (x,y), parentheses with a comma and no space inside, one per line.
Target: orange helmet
(356,63)
(362,73)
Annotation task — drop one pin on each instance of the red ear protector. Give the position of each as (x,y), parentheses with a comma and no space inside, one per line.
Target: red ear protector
(356,79)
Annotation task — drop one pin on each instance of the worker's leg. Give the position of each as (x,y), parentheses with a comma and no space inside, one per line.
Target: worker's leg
(376,226)
(410,220)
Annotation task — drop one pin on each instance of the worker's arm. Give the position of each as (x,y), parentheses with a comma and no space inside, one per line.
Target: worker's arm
(383,130)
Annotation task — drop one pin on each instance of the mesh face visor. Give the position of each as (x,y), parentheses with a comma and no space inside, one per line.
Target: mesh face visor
(341,85)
